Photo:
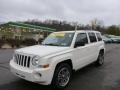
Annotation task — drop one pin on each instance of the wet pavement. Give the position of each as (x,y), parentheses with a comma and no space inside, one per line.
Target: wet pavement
(106,77)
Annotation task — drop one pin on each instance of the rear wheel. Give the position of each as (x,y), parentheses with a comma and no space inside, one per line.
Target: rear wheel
(62,76)
(100,60)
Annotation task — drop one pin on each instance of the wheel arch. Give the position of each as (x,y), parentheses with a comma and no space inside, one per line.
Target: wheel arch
(102,51)
(68,61)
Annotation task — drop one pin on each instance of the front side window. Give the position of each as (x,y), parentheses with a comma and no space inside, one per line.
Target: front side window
(59,39)
(92,37)
(82,37)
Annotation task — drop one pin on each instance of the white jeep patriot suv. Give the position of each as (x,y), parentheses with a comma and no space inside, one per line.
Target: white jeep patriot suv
(52,62)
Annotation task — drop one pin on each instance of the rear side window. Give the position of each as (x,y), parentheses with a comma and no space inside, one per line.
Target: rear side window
(99,37)
(92,37)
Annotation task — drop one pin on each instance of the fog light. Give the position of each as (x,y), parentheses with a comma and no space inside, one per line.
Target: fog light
(40,74)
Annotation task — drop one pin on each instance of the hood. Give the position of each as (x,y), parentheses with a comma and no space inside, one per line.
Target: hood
(41,50)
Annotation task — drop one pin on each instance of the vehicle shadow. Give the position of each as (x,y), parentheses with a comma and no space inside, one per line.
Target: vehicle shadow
(90,77)
(78,81)
(23,85)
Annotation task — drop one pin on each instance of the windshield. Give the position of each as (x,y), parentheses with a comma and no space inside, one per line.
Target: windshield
(59,39)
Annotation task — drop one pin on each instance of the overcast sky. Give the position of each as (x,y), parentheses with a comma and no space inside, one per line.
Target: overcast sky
(82,11)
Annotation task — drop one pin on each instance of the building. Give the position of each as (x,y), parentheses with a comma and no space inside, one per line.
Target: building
(18,30)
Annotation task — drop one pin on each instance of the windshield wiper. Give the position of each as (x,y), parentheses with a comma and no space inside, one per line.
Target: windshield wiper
(51,44)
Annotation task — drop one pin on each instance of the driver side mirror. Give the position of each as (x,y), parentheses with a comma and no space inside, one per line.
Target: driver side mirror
(80,43)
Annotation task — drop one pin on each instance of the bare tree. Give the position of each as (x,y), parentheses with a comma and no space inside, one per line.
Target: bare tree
(96,24)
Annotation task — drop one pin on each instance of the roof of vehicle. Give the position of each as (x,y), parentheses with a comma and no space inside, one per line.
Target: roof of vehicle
(81,31)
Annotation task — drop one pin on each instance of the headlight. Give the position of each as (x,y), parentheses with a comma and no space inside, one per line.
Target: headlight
(35,60)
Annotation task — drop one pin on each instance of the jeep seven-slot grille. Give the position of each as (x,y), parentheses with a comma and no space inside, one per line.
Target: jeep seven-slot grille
(22,60)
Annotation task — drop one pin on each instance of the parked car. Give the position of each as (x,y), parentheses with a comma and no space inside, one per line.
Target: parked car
(115,39)
(61,53)
(107,39)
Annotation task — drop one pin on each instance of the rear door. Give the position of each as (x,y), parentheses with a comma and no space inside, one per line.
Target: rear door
(93,47)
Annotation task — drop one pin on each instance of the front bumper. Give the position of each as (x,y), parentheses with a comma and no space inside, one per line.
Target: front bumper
(41,76)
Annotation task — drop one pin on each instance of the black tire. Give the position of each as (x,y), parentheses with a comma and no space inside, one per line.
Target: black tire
(100,60)
(56,84)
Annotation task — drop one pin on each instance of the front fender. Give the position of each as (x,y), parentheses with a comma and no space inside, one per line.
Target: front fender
(57,59)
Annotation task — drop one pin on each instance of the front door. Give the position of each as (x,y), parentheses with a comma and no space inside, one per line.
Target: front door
(81,52)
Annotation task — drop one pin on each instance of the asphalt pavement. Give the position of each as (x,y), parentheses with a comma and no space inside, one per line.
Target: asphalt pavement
(106,77)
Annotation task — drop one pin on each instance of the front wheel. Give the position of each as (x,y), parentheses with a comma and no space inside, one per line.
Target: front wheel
(100,60)
(62,76)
